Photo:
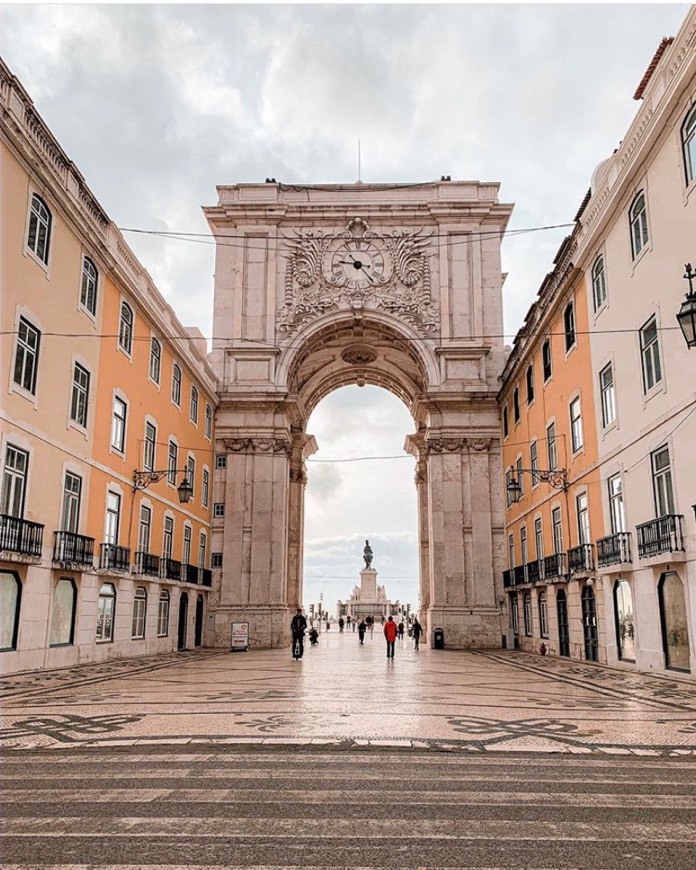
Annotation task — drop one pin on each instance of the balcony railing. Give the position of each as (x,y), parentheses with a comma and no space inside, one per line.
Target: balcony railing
(581,559)
(508,579)
(147,564)
(535,571)
(614,549)
(519,575)
(189,574)
(114,558)
(20,536)
(206,577)
(663,535)
(76,549)
(170,569)
(554,566)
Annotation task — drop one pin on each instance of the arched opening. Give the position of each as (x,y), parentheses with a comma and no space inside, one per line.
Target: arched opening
(625,620)
(563,629)
(198,634)
(589,624)
(675,626)
(183,619)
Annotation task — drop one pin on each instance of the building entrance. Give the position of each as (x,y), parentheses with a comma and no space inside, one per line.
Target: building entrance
(321,287)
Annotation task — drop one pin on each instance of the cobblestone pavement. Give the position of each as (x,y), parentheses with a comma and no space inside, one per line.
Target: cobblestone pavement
(342,694)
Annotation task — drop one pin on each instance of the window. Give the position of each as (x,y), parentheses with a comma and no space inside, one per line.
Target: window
(551,446)
(105,612)
(72,493)
(688,132)
(675,622)
(582,508)
(219,509)
(118,425)
(88,288)
(523,545)
(172,460)
(534,462)
(113,518)
(543,615)
(546,359)
(569,326)
(186,551)
(80,396)
(625,620)
(155,359)
(221,460)
(650,355)
(520,477)
(63,613)
(193,412)
(139,608)
(527,612)
(39,238)
(599,283)
(576,425)
(514,619)
(506,425)
(125,328)
(14,481)
(529,379)
(511,551)
(638,218)
(168,540)
(10,601)
(191,472)
(606,389)
(144,529)
(205,486)
(27,356)
(516,404)
(616,504)
(557,530)
(202,547)
(208,422)
(216,560)
(150,447)
(539,538)
(662,482)
(176,385)
(163,614)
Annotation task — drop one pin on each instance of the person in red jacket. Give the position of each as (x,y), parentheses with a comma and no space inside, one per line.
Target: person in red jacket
(390,632)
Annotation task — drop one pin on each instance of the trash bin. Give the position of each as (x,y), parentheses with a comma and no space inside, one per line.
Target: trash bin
(438,639)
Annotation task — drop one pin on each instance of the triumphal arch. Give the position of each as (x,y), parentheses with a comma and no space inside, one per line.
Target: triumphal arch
(321,286)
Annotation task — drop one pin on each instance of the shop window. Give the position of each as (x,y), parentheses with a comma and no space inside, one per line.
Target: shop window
(63,612)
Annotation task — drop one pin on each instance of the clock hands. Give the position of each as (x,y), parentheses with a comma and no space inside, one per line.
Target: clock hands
(358,265)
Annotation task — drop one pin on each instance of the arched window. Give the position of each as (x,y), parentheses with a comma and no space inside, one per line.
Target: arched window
(569,325)
(599,283)
(39,237)
(176,384)
(163,614)
(625,620)
(63,612)
(88,290)
(155,359)
(139,608)
(638,219)
(193,411)
(125,328)
(688,133)
(106,607)
(675,627)
(10,601)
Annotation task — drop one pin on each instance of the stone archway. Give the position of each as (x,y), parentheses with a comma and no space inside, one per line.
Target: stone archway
(320,287)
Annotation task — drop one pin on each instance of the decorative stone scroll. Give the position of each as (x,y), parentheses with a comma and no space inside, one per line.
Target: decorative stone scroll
(258,445)
(298,474)
(402,287)
(456,445)
(479,444)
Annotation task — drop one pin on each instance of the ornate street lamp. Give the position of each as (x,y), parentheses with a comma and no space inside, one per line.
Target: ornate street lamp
(687,312)
(557,478)
(143,479)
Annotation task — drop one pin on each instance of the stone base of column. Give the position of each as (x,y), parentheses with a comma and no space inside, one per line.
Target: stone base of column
(466,627)
(269,625)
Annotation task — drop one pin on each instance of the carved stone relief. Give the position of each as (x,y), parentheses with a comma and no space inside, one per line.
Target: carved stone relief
(258,445)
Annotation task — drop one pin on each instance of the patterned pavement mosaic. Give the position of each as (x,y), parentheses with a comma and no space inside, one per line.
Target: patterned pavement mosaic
(346,695)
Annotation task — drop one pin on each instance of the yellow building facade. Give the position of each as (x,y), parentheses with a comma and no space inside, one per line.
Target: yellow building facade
(107,407)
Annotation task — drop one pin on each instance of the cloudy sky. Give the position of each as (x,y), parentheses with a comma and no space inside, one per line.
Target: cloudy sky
(159,104)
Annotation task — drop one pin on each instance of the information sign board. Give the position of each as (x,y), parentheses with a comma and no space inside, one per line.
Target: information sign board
(240,636)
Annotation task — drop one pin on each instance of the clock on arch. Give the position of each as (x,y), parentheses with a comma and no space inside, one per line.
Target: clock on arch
(356,264)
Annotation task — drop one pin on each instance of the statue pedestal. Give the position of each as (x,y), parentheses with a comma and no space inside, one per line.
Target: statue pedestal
(368,584)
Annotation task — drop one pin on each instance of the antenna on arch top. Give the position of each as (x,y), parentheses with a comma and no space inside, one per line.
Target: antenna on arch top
(359,181)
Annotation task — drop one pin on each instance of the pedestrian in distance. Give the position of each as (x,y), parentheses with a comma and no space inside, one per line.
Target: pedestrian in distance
(416,631)
(341,623)
(362,628)
(298,626)
(400,630)
(390,632)
(370,624)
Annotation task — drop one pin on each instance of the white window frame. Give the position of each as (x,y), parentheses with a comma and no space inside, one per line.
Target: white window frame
(208,421)
(79,398)
(546,357)
(150,446)
(26,358)
(539,538)
(191,473)
(186,544)
(570,335)
(168,537)
(663,486)
(15,481)
(163,607)
(576,434)
(205,486)
(607,392)
(176,384)
(139,613)
(617,514)
(144,528)
(89,286)
(218,510)
(688,143)
(126,327)
(155,371)
(112,521)
(529,383)
(119,424)
(72,498)
(172,461)
(220,460)
(552,446)
(193,407)
(599,283)
(534,462)
(582,511)
(638,222)
(106,613)
(40,246)
(542,603)
(651,362)
(557,529)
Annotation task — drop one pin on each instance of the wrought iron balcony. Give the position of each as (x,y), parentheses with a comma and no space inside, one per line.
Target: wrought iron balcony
(535,571)
(508,579)
(170,569)
(74,549)
(614,549)
(554,566)
(147,564)
(20,536)
(206,577)
(114,558)
(663,535)
(519,575)
(189,574)
(581,559)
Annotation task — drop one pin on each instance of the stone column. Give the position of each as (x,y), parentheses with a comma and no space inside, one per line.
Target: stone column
(414,445)
(302,447)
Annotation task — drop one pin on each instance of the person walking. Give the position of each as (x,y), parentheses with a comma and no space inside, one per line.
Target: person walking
(362,628)
(370,624)
(298,626)
(390,632)
(400,629)
(341,623)
(416,632)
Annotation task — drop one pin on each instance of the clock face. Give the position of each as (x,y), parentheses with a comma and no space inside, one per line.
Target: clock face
(355,264)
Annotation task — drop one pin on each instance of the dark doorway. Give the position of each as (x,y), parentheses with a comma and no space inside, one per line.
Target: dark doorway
(199,621)
(183,619)
(563,634)
(589,624)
